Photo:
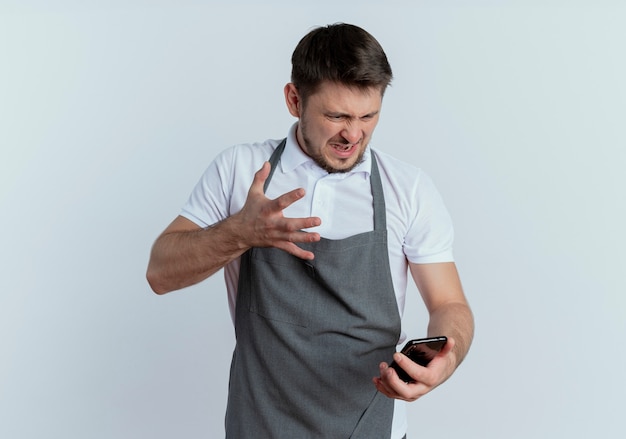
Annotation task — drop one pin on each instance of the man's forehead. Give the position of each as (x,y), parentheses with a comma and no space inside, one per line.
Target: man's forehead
(340,95)
(334,86)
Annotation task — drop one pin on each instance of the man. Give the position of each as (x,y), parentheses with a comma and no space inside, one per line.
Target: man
(316,246)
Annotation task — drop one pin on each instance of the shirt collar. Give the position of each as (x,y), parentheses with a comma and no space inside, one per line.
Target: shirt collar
(293,156)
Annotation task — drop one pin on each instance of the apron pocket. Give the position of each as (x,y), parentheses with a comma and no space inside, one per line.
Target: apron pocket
(286,292)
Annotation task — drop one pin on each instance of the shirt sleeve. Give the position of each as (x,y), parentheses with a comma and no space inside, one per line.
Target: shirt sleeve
(430,234)
(209,202)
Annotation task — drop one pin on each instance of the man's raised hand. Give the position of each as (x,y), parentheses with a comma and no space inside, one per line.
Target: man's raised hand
(263,224)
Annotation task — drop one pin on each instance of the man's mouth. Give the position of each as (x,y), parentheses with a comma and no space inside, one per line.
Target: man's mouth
(343,147)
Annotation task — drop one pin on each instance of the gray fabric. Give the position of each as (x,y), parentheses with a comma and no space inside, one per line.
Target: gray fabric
(310,336)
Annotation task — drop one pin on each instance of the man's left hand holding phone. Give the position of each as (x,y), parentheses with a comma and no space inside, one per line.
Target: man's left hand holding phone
(425,378)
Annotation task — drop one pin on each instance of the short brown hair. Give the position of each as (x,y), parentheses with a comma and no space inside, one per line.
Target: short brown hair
(342,53)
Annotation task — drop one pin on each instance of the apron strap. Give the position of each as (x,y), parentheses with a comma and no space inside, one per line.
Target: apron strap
(274,159)
(380,211)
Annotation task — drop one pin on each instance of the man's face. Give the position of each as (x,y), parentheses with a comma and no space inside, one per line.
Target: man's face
(336,124)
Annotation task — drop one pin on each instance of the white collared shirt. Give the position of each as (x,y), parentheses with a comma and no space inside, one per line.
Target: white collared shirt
(419,226)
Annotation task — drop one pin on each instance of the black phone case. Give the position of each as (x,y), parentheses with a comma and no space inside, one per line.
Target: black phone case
(421,351)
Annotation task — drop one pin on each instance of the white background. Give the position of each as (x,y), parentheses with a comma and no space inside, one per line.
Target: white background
(110,111)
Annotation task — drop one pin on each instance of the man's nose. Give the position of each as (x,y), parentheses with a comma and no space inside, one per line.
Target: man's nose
(352,133)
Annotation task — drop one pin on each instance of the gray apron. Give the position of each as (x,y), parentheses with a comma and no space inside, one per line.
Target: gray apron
(310,336)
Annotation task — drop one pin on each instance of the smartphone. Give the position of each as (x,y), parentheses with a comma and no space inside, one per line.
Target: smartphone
(421,351)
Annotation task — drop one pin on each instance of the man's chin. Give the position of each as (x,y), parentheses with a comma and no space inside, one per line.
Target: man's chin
(338,166)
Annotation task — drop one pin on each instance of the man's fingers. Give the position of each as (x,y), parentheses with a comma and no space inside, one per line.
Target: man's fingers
(260,176)
(283,201)
(300,236)
(286,200)
(296,251)
(392,386)
(294,226)
(271,227)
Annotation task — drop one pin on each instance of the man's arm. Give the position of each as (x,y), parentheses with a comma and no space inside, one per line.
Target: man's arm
(185,254)
(450,315)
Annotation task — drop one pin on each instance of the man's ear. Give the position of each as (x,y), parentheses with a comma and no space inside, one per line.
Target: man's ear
(292,99)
